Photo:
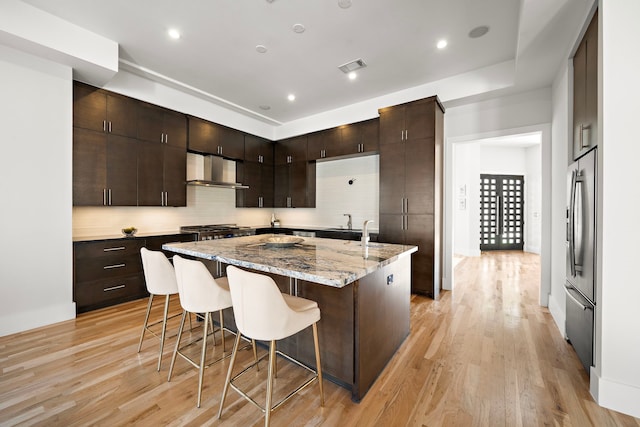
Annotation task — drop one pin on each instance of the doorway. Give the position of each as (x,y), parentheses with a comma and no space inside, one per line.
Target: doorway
(501,212)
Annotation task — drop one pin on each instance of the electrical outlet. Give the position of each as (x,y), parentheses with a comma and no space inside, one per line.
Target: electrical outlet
(389,279)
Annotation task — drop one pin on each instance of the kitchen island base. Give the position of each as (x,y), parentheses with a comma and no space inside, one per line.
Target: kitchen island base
(362,324)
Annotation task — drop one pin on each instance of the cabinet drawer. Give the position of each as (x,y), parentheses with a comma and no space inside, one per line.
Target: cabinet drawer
(101,293)
(107,267)
(106,248)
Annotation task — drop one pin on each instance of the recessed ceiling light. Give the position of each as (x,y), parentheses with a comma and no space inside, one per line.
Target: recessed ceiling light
(345,4)
(298,28)
(261,49)
(441,44)
(174,34)
(478,31)
(352,75)
(264,107)
(291,97)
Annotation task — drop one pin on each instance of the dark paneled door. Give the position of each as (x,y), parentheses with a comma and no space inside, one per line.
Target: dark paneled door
(501,212)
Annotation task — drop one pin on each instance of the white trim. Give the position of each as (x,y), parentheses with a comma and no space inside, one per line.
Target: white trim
(614,395)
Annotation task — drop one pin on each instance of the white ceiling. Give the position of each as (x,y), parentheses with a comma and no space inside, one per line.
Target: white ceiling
(217,51)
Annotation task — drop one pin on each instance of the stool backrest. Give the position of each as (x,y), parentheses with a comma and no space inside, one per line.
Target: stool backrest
(258,306)
(158,273)
(199,291)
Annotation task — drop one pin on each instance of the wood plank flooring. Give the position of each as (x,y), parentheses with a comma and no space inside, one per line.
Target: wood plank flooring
(483,355)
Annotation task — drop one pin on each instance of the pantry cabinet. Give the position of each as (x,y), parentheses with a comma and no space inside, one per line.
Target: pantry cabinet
(411,142)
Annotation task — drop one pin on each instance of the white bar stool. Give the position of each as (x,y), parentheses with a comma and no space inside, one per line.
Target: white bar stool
(200,293)
(263,313)
(160,279)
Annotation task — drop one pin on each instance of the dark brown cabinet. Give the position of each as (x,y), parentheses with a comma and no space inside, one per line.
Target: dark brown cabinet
(256,172)
(347,140)
(107,272)
(585,92)
(162,172)
(294,177)
(104,169)
(211,138)
(411,186)
(102,111)
(156,124)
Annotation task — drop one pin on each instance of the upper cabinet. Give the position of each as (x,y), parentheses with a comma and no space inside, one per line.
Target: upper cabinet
(211,138)
(126,152)
(294,176)
(585,92)
(156,124)
(348,140)
(257,173)
(291,150)
(101,111)
(258,150)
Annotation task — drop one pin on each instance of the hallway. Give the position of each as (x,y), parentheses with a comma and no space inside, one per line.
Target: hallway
(485,354)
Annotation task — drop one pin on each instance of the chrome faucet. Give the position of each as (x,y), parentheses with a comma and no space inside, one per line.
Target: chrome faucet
(349,223)
(365,238)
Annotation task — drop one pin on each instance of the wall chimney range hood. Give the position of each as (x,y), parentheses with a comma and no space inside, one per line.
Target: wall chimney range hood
(212,171)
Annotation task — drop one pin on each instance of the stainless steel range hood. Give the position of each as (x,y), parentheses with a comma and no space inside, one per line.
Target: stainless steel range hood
(212,171)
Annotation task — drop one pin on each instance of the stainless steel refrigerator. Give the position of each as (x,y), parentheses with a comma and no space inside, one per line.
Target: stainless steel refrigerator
(581,249)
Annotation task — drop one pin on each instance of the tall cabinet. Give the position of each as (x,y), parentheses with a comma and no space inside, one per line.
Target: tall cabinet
(585,92)
(411,150)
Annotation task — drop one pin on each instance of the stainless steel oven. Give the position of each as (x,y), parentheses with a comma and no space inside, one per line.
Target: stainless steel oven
(217,231)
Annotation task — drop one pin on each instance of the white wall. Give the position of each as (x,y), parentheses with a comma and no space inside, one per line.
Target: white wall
(533,200)
(35,190)
(466,199)
(617,382)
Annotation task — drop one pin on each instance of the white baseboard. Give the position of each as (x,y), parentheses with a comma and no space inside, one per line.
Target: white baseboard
(558,314)
(20,322)
(614,395)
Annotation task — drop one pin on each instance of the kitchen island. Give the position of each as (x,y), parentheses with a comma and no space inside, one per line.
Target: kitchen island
(364,303)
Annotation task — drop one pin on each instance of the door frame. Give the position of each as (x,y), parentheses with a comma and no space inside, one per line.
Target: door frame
(450,200)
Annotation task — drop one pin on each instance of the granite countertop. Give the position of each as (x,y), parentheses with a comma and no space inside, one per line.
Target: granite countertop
(326,261)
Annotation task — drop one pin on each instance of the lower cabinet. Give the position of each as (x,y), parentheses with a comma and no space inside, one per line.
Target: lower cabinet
(109,272)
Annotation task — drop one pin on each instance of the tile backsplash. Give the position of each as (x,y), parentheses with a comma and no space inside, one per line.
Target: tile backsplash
(209,205)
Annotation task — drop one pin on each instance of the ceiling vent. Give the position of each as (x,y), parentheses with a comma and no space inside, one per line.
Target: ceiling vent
(352,66)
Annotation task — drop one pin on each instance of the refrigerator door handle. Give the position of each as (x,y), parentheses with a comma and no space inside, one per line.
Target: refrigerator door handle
(578,233)
(581,305)
(572,244)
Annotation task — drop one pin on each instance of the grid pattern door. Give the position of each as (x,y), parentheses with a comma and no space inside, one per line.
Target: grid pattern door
(501,212)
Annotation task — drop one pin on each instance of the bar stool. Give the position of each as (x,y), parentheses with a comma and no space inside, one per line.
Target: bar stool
(200,293)
(263,313)
(160,279)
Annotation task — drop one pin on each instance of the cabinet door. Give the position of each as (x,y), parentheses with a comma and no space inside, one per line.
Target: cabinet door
(281,186)
(392,178)
(122,170)
(202,136)
(350,139)
(150,123)
(294,148)
(150,166)
(267,185)
(369,135)
(252,177)
(175,175)
(419,231)
(392,125)
(332,143)
(122,115)
(231,143)
(419,180)
(175,129)
(89,167)
(579,96)
(590,137)
(419,120)
(315,146)
(256,148)
(391,228)
(298,184)
(89,107)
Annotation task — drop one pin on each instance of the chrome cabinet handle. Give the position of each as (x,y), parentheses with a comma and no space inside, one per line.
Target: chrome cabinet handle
(113,288)
(166,138)
(119,248)
(104,197)
(108,267)
(109,197)
(109,127)
(104,126)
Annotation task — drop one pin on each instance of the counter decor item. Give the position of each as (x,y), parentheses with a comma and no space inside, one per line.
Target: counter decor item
(282,241)
(129,231)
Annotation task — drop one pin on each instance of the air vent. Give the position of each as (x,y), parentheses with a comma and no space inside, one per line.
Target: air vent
(352,66)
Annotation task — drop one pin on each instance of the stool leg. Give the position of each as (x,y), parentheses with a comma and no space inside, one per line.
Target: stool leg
(146,322)
(221,331)
(207,319)
(318,365)
(164,330)
(175,351)
(255,353)
(267,408)
(213,330)
(230,371)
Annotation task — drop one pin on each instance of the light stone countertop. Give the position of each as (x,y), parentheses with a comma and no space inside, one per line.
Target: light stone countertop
(329,262)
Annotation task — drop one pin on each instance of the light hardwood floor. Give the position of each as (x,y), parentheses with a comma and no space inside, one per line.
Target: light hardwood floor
(483,355)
